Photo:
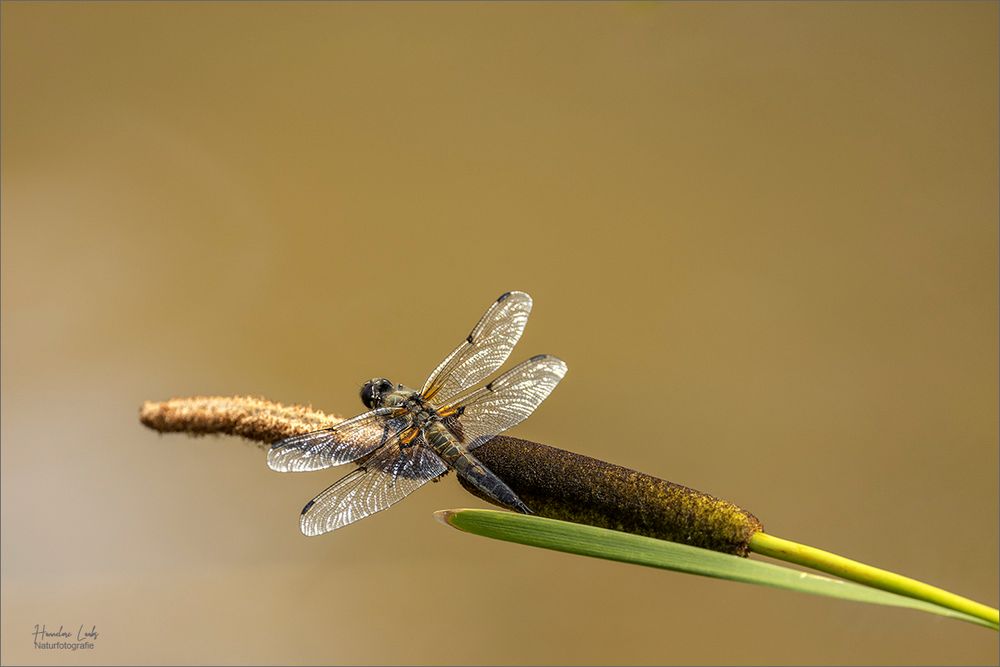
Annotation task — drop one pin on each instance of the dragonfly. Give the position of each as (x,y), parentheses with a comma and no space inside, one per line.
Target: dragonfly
(409,437)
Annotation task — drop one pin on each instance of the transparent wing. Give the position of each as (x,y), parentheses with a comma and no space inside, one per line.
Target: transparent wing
(387,477)
(483,351)
(347,441)
(505,402)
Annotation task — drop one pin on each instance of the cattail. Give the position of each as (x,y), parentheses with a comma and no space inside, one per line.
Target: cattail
(553,482)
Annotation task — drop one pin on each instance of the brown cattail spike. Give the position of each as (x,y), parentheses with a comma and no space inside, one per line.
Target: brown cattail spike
(559,484)
(256,419)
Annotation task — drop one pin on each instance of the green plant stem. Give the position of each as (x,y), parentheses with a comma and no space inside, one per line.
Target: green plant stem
(793,552)
(585,540)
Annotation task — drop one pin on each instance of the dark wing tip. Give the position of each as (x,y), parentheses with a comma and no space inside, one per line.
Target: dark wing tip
(547,357)
(518,293)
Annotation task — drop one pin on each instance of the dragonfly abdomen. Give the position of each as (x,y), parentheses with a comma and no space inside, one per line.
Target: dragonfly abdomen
(470,468)
(437,439)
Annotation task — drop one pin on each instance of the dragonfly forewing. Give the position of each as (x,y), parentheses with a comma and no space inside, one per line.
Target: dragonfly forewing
(348,441)
(483,351)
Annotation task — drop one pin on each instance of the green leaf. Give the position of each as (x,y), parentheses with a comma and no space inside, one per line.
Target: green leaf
(628,548)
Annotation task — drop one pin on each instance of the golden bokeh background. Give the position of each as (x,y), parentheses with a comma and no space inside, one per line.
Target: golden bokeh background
(763,236)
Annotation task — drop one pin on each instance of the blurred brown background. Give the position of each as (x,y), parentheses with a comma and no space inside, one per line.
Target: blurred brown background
(763,236)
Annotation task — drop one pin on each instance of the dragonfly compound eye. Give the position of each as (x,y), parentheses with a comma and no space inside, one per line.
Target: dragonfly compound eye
(374,391)
(368,395)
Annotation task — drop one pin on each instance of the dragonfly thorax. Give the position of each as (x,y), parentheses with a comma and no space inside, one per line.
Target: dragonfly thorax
(418,411)
(382,393)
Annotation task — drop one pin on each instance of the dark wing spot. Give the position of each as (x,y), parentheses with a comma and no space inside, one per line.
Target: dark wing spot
(469,339)
(489,387)
(308,505)
(539,357)
(503,296)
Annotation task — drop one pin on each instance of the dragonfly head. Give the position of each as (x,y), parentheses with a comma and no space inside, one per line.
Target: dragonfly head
(374,391)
